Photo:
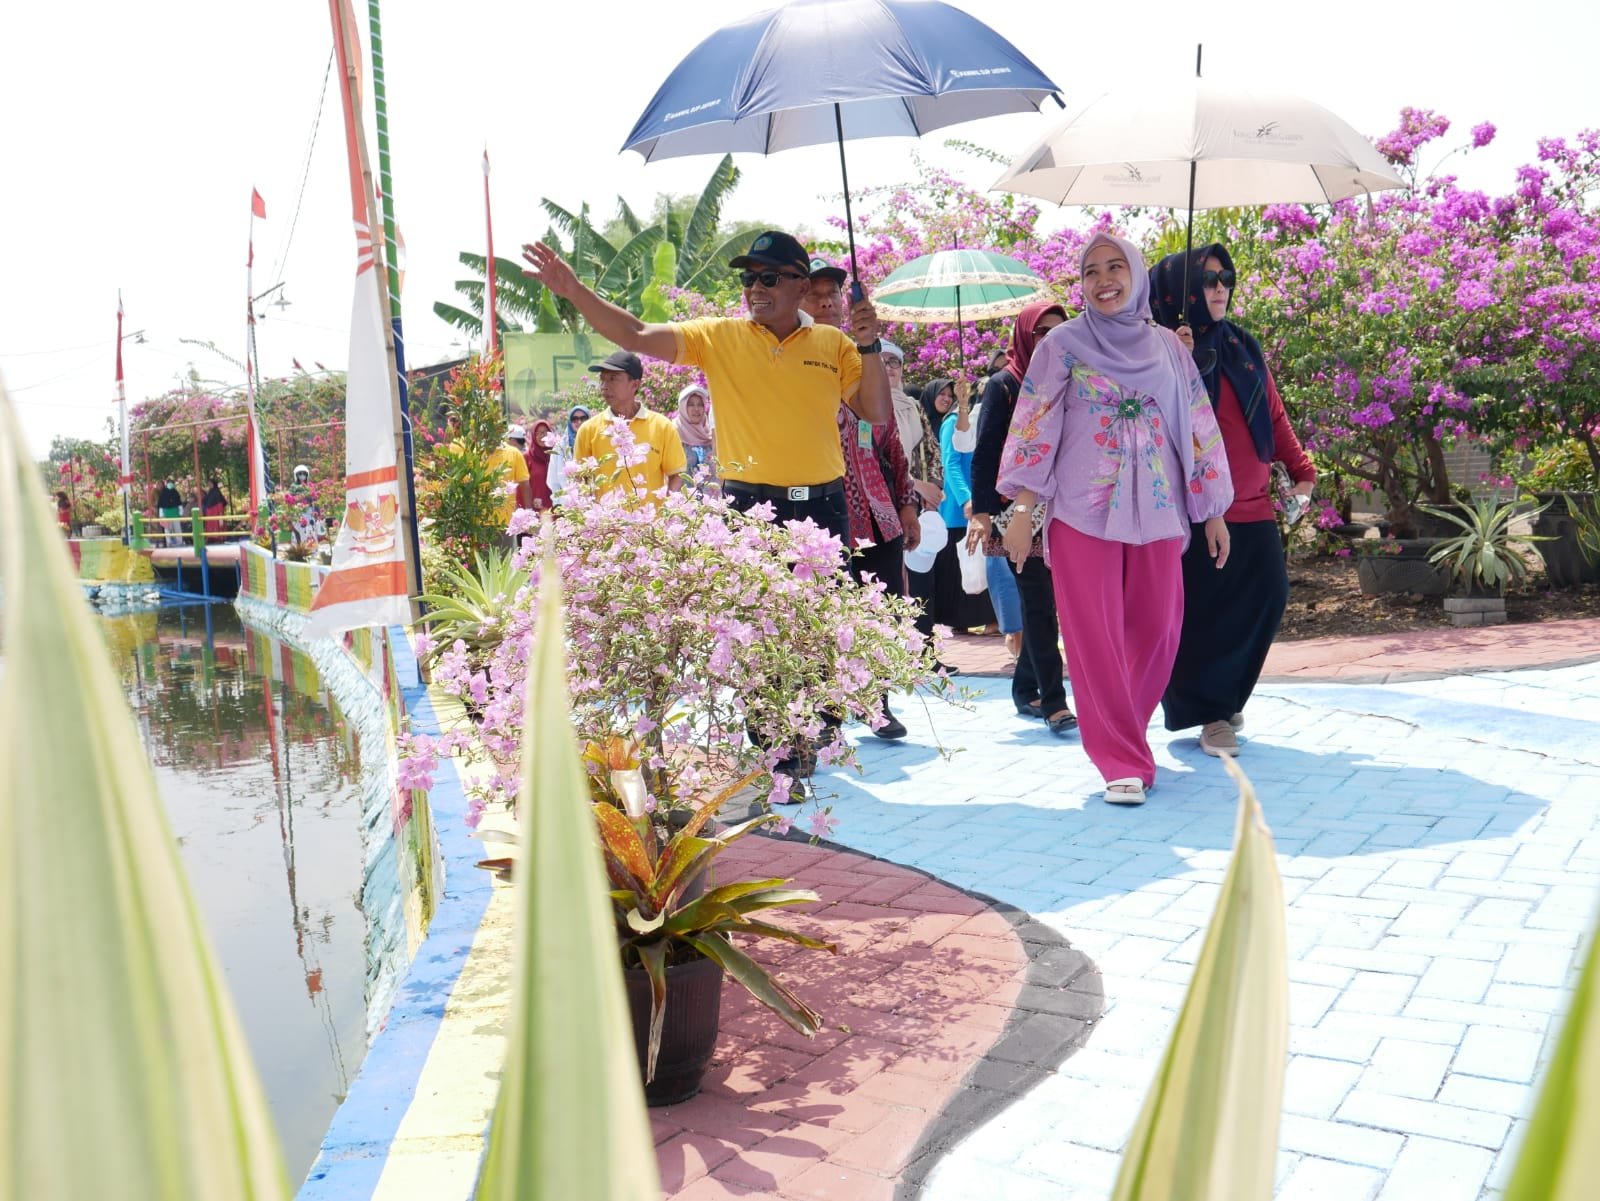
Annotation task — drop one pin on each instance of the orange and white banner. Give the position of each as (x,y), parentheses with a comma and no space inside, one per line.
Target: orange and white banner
(367,585)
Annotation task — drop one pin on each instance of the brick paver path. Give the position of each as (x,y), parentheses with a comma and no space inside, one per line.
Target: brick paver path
(924,984)
(1437,817)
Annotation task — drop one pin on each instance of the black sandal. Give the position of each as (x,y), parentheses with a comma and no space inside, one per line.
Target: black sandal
(1031,709)
(1062,722)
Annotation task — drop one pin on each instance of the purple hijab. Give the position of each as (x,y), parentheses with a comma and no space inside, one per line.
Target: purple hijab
(1125,345)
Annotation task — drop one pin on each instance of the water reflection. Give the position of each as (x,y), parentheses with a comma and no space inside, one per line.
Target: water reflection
(259,773)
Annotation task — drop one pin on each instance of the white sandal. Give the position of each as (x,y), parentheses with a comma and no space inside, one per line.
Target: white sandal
(1129,790)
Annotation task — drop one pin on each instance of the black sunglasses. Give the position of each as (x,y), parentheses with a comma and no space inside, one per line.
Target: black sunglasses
(769,279)
(1210,279)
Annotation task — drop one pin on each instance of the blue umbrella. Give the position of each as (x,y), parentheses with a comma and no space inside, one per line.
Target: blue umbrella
(816,71)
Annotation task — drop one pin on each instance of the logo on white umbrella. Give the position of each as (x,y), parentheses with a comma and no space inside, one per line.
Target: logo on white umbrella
(1130,176)
(1267,131)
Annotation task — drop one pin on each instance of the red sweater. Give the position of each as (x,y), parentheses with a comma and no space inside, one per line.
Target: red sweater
(1252,479)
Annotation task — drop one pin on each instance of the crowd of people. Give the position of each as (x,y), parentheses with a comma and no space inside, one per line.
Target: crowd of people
(1109,493)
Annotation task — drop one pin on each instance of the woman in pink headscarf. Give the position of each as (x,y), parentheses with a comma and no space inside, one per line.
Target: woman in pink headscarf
(693,419)
(1115,432)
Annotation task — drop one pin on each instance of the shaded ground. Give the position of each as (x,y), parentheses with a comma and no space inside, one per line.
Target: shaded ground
(1326,601)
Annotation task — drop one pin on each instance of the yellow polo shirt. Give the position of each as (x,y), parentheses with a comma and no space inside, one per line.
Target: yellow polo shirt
(513,468)
(651,430)
(776,404)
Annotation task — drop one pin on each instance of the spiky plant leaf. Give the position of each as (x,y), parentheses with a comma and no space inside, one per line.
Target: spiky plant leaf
(123,1069)
(1209,1127)
(570,1119)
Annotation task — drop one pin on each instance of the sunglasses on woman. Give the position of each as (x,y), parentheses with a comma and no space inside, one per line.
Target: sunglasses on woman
(1210,279)
(769,279)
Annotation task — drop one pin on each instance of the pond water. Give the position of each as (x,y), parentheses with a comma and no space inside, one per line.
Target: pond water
(259,772)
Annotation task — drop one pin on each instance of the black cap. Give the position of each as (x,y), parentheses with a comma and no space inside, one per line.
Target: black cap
(775,249)
(621,360)
(820,268)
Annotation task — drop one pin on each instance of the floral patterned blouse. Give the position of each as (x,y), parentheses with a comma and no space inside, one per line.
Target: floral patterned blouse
(1114,463)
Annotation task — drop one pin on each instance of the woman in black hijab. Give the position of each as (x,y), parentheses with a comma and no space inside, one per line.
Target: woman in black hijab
(1230,616)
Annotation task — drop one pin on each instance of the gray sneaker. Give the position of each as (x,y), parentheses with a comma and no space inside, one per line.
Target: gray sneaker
(1216,739)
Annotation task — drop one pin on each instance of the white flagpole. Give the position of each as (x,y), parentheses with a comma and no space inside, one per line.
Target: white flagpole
(125,479)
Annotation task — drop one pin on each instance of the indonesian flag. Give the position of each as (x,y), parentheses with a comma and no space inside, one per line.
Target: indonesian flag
(254,450)
(367,585)
(491,325)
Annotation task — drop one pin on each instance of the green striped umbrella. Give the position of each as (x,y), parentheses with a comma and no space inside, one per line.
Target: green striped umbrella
(958,285)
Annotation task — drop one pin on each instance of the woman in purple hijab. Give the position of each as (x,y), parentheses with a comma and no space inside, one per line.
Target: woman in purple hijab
(1114,431)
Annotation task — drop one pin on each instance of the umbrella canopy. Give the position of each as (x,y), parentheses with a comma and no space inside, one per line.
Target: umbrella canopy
(772,81)
(955,285)
(1192,143)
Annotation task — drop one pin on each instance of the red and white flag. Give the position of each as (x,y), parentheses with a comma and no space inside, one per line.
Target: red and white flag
(125,477)
(368,584)
(258,206)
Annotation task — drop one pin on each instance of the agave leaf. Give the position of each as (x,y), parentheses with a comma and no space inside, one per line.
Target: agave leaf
(115,1022)
(1560,1155)
(1209,1127)
(570,1119)
(754,977)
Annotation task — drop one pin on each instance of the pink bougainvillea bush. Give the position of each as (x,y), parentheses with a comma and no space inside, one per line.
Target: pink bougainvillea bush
(687,625)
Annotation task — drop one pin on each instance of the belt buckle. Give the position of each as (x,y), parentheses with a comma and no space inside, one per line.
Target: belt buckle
(801,493)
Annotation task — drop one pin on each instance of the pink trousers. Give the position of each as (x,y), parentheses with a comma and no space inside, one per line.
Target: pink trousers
(1121,610)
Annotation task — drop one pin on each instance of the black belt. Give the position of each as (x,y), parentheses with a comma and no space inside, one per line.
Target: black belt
(784,492)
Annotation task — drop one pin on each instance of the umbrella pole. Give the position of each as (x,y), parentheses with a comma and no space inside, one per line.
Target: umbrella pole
(1188,237)
(849,221)
(1188,247)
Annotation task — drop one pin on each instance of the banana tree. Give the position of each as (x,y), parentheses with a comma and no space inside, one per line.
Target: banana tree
(625,268)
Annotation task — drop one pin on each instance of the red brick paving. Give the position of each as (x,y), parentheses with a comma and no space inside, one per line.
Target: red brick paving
(1373,658)
(920,989)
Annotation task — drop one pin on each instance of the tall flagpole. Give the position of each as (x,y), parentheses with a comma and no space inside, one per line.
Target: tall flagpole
(125,477)
(374,567)
(253,445)
(491,340)
(407,457)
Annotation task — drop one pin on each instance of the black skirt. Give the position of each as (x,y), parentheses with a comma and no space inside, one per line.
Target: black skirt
(1230,618)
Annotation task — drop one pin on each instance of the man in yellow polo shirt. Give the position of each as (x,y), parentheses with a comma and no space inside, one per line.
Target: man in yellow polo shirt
(664,463)
(775,377)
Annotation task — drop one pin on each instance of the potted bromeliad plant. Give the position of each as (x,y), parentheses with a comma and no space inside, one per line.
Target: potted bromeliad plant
(675,925)
(688,624)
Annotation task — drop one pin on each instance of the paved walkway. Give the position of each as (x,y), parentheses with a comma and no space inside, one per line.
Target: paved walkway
(1439,836)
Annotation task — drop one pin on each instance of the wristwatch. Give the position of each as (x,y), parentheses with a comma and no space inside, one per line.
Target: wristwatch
(872,347)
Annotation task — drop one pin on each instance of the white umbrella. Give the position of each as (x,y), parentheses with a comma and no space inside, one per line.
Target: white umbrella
(1191,143)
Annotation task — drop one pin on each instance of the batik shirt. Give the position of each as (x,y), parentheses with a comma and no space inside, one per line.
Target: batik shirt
(1114,463)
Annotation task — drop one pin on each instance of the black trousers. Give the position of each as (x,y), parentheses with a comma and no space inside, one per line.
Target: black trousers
(1230,618)
(830,513)
(886,561)
(1038,674)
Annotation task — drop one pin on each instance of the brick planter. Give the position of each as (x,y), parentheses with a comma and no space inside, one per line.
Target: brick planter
(1476,610)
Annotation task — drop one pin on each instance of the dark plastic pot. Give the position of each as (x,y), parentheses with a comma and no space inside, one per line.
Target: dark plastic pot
(1564,561)
(688,1028)
(1403,569)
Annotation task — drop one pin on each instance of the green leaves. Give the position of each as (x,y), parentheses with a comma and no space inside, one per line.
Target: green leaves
(123,1070)
(1481,557)
(1557,1158)
(570,1119)
(1208,1130)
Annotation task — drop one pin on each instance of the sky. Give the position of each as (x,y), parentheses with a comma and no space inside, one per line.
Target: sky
(133,135)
